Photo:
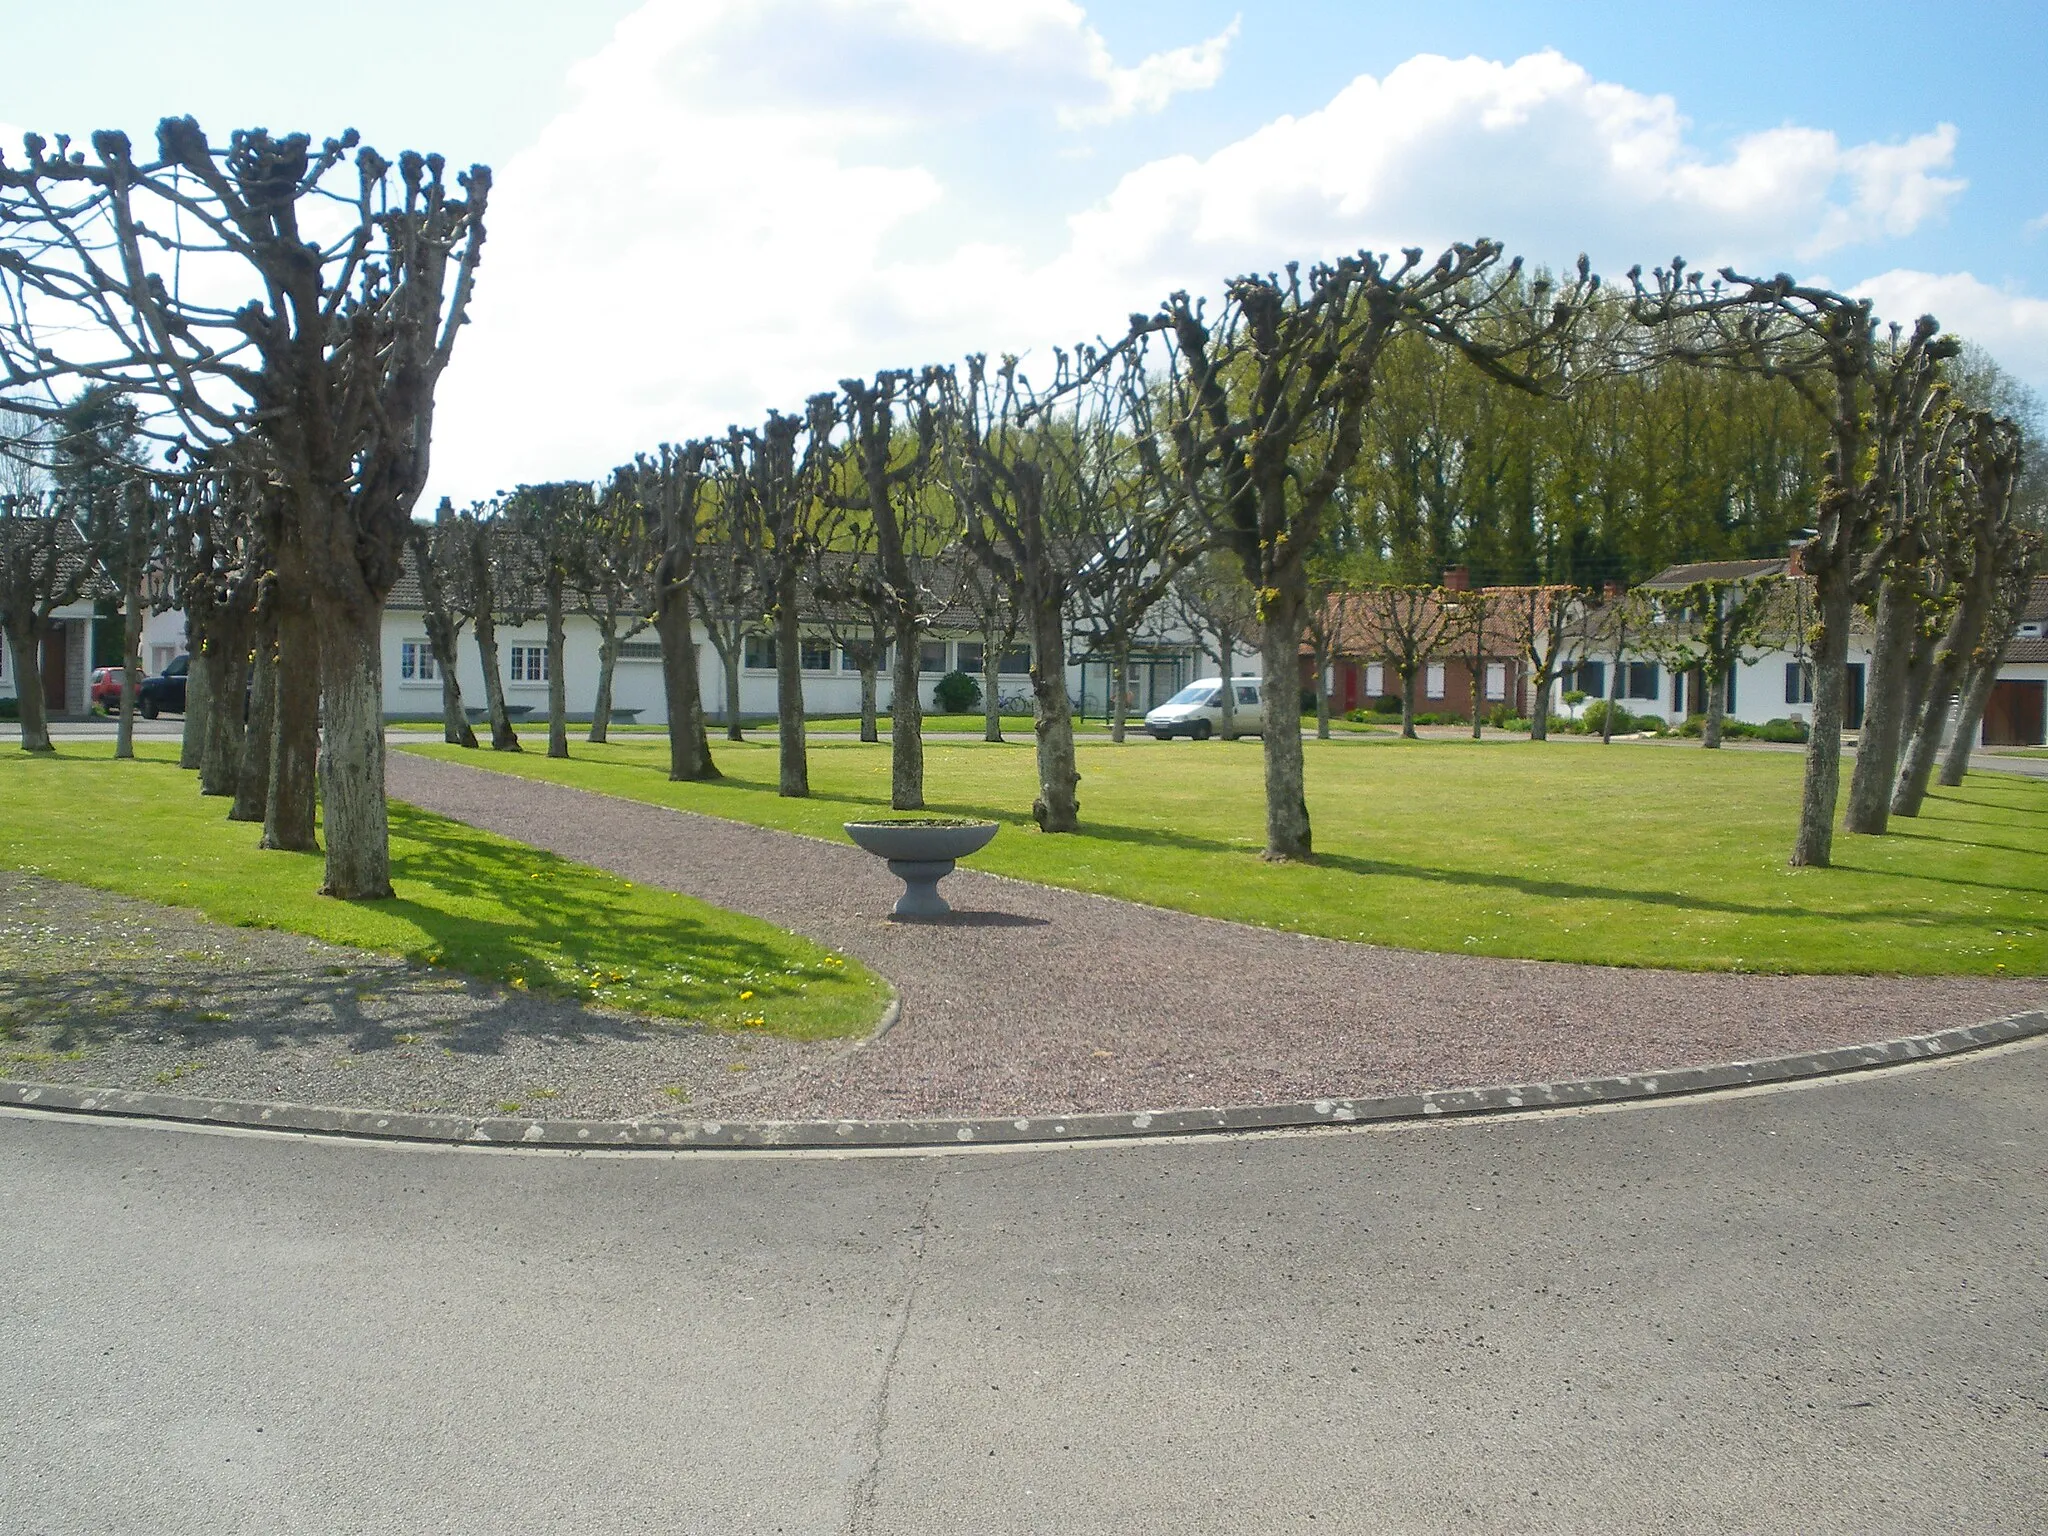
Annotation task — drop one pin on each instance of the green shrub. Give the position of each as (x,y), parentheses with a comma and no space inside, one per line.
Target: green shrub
(1308,701)
(1782,730)
(957,694)
(1389,704)
(1358,716)
(1694,725)
(10,709)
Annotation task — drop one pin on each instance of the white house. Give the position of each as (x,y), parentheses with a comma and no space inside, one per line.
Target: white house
(1777,683)
(831,678)
(65,666)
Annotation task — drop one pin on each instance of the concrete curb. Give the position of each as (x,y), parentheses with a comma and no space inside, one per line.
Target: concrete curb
(663,1135)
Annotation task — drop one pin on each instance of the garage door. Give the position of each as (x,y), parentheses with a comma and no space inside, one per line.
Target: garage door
(2014,714)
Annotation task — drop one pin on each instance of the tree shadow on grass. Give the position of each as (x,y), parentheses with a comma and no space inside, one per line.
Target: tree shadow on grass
(564,923)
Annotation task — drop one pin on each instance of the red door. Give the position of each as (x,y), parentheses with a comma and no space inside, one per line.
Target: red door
(2013,715)
(56,656)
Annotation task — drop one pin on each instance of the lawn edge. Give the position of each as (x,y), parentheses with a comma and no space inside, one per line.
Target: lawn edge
(655,1134)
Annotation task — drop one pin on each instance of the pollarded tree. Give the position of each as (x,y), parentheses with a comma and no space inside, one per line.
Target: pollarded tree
(612,580)
(1214,603)
(46,563)
(1003,467)
(2023,561)
(771,489)
(1990,542)
(1541,621)
(1266,415)
(549,529)
(1870,393)
(1407,626)
(881,539)
(1714,624)
(441,563)
(114,272)
(498,589)
(667,492)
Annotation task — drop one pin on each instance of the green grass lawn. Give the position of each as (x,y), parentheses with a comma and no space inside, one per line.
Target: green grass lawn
(467,901)
(1625,855)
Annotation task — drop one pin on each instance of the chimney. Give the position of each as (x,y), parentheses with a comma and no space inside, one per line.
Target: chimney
(1458,579)
(1795,563)
(1610,592)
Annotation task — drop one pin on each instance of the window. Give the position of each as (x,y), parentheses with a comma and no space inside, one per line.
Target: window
(529,663)
(1798,682)
(1589,678)
(639,650)
(814,654)
(416,663)
(1496,679)
(1433,681)
(1015,662)
(758,654)
(1375,678)
(1248,693)
(1640,680)
(931,656)
(967,656)
(849,658)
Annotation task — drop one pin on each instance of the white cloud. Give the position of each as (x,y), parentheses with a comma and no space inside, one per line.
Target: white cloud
(746,201)
(2010,326)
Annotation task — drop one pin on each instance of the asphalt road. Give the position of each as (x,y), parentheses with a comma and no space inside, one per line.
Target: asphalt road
(1818,1310)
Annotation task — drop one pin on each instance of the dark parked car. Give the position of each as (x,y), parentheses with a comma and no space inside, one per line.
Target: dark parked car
(165,693)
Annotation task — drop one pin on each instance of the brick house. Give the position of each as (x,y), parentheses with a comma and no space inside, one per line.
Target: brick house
(1362,670)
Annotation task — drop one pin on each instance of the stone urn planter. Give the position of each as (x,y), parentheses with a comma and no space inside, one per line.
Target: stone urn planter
(921,852)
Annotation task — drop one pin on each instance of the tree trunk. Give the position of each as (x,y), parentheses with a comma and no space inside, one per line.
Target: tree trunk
(1119,687)
(1969,720)
(1539,704)
(991,684)
(794,778)
(1226,661)
(1058,806)
(730,656)
(1287,828)
(192,743)
(689,745)
(1919,675)
(288,819)
(906,723)
(503,737)
(133,617)
(1814,845)
(607,659)
(1408,704)
(869,730)
(1613,694)
(558,685)
(1877,746)
(1946,675)
(1478,693)
(25,655)
(1322,660)
(1716,711)
(252,777)
(455,727)
(352,750)
(227,669)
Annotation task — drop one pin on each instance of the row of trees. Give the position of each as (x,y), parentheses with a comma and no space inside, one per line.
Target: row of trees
(1351,424)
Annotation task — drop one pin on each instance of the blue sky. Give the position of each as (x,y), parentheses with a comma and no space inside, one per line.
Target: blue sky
(707,207)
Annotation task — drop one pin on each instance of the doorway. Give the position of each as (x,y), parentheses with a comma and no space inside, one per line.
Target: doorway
(2014,714)
(56,666)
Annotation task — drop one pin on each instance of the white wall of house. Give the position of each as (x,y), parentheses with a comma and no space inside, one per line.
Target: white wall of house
(831,687)
(1775,686)
(75,624)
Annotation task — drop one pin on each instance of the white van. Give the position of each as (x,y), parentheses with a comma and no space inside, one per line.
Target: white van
(1197,710)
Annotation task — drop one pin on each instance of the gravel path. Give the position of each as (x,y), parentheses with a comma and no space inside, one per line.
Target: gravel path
(106,991)
(1030,1000)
